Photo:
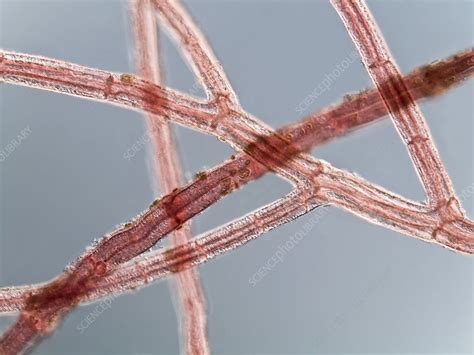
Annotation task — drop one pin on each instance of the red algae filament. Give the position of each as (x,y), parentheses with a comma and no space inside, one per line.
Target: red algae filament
(271,151)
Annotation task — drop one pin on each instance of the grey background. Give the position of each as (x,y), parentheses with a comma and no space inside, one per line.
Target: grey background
(347,287)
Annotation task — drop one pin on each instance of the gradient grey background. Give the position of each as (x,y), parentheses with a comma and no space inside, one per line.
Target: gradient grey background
(347,287)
